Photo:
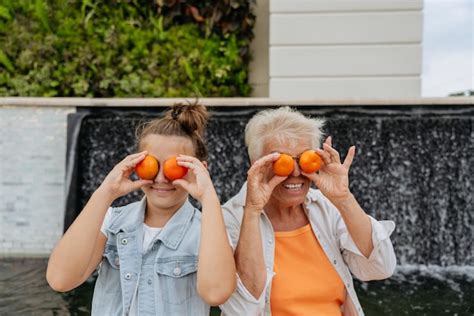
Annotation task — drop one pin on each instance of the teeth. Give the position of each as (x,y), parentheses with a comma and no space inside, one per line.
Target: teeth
(293,186)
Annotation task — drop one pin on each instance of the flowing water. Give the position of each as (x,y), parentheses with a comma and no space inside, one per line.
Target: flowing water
(413,290)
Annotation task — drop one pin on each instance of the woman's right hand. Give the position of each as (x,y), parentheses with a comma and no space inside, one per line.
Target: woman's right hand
(259,188)
(117,183)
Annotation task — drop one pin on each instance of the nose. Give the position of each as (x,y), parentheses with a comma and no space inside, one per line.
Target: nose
(296,169)
(160,177)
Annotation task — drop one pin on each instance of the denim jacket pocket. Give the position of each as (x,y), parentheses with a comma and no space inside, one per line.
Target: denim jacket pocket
(109,271)
(111,254)
(177,276)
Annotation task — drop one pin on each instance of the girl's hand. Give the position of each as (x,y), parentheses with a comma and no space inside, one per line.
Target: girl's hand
(259,189)
(200,185)
(333,178)
(117,182)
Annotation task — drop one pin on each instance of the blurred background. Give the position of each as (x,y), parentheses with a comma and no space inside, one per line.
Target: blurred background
(393,77)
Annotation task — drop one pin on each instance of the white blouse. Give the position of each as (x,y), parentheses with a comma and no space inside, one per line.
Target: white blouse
(331,232)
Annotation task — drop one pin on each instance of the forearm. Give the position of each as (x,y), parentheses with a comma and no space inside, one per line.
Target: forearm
(249,257)
(357,222)
(216,268)
(73,253)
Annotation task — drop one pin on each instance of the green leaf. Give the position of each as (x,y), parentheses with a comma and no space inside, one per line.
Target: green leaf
(5,13)
(5,61)
(41,12)
(187,68)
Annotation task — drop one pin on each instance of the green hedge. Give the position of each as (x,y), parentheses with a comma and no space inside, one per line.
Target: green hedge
(117,49)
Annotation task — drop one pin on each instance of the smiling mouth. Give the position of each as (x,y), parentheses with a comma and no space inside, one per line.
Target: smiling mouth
(163,190)
(293,186)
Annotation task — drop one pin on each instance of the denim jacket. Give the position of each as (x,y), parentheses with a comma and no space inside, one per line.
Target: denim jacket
(165,274)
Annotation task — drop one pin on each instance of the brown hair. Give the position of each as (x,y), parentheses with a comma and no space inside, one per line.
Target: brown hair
(186,120)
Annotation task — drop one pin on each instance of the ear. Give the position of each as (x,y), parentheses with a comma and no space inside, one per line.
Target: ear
(205,164)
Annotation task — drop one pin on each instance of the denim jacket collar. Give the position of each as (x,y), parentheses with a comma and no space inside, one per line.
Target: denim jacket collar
(130,220)
(174,230)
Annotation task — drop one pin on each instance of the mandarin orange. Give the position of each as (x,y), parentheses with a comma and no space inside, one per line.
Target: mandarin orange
(172,170)
(148,168)
(310,161)
(283,166)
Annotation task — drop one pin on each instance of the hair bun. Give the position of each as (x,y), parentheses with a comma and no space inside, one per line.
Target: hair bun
(191,116)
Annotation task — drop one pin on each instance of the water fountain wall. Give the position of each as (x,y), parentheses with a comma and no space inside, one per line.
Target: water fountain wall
(413,165)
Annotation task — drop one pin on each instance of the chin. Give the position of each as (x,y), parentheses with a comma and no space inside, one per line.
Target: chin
(165,201)
(165,204)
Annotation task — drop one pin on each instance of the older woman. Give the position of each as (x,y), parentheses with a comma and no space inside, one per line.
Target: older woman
(295,247)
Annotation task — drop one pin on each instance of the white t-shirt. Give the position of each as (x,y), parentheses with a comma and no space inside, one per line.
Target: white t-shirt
(149,234)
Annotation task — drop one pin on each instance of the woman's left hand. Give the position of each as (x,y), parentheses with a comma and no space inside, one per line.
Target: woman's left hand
(333,178)
(198,186)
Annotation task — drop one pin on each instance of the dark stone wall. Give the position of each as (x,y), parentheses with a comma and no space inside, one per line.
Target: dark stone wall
(413,165)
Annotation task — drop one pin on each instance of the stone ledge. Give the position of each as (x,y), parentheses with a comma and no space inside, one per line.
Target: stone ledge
(231,102)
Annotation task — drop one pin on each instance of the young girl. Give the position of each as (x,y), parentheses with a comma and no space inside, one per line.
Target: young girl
(148,250)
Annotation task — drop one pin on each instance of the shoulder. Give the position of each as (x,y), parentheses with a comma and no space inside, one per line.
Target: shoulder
(196,217)
(118,217)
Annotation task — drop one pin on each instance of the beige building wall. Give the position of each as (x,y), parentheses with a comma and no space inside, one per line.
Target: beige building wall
(337,49)
(259,66)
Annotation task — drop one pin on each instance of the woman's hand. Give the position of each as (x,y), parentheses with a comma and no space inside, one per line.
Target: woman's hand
(201,184)
(259,188)
(117,183)
(333,178)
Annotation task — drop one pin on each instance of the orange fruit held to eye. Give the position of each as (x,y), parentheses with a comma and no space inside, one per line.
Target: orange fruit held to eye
(310,161)
(148,168)
(283,166)
(172,170)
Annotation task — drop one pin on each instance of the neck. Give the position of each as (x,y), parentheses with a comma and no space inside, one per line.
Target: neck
(158,217)
(286,217)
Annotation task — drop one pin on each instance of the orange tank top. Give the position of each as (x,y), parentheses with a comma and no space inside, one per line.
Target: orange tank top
(305,282)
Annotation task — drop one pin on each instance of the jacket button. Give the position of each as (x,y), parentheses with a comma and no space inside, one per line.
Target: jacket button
(124,241)
(149,281)
(177,271)
(270,241)
(335,262)
(128,276)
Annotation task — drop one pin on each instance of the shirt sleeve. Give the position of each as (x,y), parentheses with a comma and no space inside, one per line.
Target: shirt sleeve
(381,262)
(106,222)
(242,302)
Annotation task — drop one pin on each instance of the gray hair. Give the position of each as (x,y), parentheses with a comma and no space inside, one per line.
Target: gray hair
(284,125)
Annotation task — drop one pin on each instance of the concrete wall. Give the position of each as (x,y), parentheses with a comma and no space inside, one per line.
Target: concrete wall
(345,49)
(32,192)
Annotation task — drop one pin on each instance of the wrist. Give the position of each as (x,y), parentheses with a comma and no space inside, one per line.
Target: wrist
(210,198)
(105,194)
(343,203)
(252,211)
